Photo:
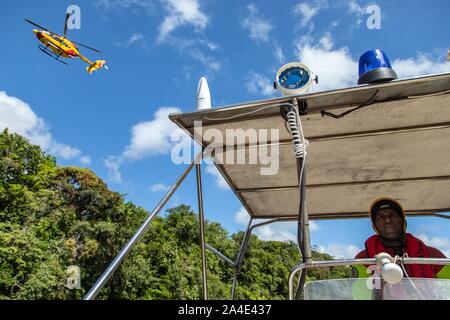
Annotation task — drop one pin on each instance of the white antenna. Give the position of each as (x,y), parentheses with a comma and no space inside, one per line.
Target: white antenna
(203,95)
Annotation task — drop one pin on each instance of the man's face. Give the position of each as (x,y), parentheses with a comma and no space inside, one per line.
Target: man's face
(389,224)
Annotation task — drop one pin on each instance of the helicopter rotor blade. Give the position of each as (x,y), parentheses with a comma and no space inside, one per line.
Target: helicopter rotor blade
(83,45)
(65,24)
(35,24)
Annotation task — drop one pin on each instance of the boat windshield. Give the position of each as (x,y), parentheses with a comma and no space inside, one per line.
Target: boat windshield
(377,289)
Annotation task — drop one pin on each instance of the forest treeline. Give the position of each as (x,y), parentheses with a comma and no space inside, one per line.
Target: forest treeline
(53,217)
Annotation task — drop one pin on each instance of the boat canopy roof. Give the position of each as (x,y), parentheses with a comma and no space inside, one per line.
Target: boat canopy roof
(396,144)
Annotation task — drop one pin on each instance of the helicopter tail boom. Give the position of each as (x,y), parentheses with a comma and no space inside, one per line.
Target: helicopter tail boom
(96,65)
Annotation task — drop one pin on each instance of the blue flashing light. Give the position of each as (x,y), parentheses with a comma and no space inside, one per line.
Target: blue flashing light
(374,66)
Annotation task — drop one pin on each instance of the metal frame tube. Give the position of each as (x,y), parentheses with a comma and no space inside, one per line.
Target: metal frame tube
(202,229)
(282,219)
(301,224)
(305,219)
(352,215)
(240,256)
(103,279)
(303,235)
(438,215)
(220,255)
(233,288)
(347,262)
(244,245)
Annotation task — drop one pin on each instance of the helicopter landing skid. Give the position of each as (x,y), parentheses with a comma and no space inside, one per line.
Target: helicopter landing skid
(50,53)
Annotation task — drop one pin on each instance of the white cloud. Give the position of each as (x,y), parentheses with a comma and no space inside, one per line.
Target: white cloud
(259,84)
(258,26)
(420,65)
(313,226)
(305,10)
(211,45)
(175,14)
(220,181)
(428,228)
(326,42)
(113,163)
(152,137)
(159,187)
(210,66)
(335,67)
(279,231)
(179,13)
(18,117)
(282,231)
(167,26)
(55,148)
(242,217)
(308,10)
(340,251)
(279,54)
(441,243)
(208,62)
(135,37)
(137,7)
(354,7)
(110,4)
(85,160)
(148,139)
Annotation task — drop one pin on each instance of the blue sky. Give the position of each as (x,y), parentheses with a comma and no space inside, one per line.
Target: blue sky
(115,122)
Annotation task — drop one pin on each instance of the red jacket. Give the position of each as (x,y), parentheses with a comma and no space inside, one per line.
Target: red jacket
(414,247)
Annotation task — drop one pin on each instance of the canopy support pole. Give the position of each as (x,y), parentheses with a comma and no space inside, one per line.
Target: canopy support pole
(107,274)
(439,215)
(240,257)
(202,229)
(304,236)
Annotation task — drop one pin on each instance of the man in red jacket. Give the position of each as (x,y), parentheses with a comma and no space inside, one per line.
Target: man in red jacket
(389,223)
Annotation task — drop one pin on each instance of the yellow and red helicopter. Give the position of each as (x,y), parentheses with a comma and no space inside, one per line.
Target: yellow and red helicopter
(57,46)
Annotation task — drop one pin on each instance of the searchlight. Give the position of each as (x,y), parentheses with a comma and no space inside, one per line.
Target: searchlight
(293,78)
